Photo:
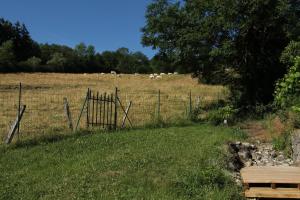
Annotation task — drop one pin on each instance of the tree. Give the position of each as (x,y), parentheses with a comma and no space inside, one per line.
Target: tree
(24,46)
(210,37)
(57,61)
(7,57)
(81,49)
(32,62)
(110,60)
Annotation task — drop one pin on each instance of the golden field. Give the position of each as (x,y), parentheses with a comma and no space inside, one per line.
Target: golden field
(43,95)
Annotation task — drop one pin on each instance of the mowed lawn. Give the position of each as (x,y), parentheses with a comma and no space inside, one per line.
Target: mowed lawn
(168,163)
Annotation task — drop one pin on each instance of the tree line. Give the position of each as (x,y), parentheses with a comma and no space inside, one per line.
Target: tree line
(236,43)
(20,53)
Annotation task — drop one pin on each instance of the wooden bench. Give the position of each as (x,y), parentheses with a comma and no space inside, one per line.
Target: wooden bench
(271,182)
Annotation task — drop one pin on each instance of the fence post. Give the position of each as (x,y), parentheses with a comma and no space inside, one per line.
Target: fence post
(88,107)
(68,113)
(158,105)
(198,102)
(15,126)
(19,107)
(190,104)
(116,109)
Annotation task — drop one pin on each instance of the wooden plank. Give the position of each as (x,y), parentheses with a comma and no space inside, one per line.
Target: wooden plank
(15,126)
(271,175)
(260,192)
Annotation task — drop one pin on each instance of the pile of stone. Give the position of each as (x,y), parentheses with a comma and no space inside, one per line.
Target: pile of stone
(243,154)
(259,154)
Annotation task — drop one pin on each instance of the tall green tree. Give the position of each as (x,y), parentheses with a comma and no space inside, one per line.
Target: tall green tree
(24,46)
(7,57)
(214,37)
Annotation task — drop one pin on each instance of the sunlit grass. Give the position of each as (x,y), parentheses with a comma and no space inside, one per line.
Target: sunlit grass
(43,94)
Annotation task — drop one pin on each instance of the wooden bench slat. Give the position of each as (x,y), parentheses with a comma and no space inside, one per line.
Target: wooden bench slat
(285,175)
(260,192)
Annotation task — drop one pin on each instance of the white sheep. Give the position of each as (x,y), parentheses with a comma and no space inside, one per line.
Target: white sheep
(170,73)
(175,73)
(151,76)
(158,77)
(162,74)
(113,72)
(155,74)
(102,73)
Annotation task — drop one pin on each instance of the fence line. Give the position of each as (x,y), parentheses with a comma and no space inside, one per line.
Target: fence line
(46,111)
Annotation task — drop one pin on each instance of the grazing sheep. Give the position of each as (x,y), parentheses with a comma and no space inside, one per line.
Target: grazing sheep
(102,73)
(158,77)
(162,74)
(151,76)
(84,74)
(170,73)
(113,72)
(155,74)
(175,73)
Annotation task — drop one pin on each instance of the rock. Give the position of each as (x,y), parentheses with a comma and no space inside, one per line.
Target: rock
(280,158)
(273,154)
(245,155)
(248,164)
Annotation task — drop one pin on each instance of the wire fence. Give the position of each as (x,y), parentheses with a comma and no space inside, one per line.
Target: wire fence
(45,113)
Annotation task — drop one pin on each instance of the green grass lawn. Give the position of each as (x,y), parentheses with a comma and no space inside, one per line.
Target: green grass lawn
(169,163)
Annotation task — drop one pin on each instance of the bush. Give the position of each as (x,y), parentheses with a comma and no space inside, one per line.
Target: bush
(290,52)
(288,88)
(219,116)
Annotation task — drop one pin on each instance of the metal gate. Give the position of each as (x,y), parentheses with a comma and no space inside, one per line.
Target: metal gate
(102,110)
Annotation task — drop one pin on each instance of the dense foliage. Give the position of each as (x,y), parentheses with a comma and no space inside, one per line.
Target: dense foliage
(288,88)
(19,53)
(233,42)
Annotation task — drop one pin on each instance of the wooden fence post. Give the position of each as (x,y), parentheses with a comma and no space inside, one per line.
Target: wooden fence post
(88,108)
(190,104)
(19,107)
(68,113)
(116,109)
(15,126)
(158,105)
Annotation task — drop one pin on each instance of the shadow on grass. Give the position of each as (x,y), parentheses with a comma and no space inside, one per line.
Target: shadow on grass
(50,138)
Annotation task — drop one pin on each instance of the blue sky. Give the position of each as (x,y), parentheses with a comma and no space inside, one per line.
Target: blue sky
(106,24)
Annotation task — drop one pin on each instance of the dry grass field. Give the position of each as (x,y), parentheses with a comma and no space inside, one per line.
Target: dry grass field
(43,95)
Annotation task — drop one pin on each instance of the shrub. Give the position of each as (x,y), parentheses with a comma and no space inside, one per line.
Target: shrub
(218,116)
(288,88)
